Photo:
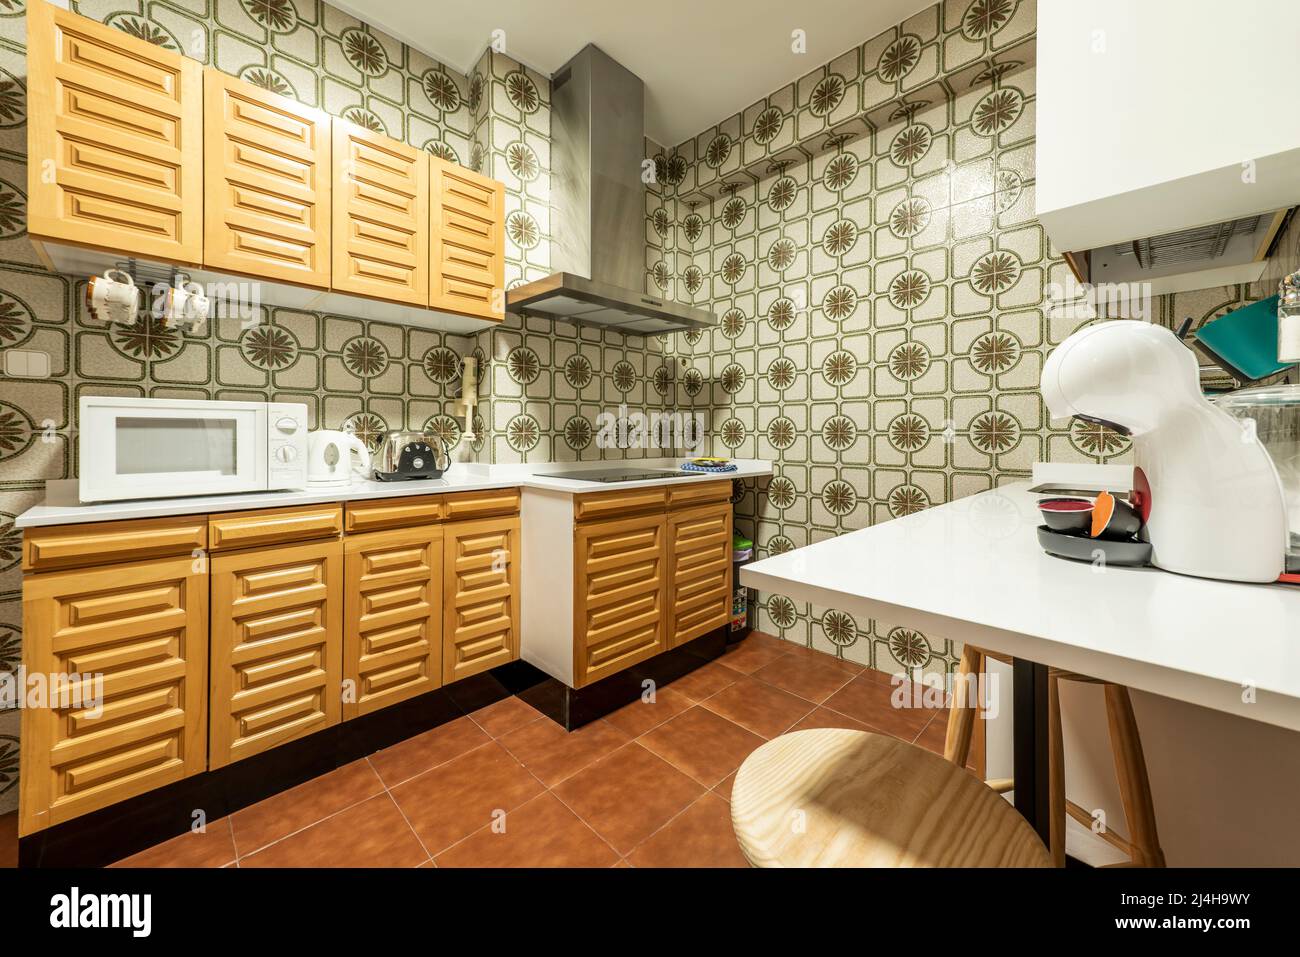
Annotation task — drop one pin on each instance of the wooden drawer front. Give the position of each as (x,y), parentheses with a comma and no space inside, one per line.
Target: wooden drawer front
(501,501)
(393,513)
(481,591)
(595,505)
(266,183)
(143,626)
(466,241)
(380,216)
(119,120)
(98,543)
(618,595)
(274,526)
(392,633)
(699,589)
(277,642)
(698,493)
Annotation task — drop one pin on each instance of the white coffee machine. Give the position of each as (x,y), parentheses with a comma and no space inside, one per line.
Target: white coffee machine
(1210,494)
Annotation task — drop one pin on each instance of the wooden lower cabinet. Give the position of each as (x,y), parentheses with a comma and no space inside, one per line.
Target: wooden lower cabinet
(481,596)
(392,633)
(277,642)
(699,571)
(144,627)
(619,595)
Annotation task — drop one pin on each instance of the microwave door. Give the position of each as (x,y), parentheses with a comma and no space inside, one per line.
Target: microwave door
(158,453)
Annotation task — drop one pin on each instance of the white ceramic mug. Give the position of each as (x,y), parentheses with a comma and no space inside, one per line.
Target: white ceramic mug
(113,297)
(185,302)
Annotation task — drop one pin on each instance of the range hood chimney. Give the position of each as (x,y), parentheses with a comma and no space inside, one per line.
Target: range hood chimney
(598,246)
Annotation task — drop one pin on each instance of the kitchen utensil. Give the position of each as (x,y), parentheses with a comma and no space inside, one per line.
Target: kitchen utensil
(1244,341)
(1072,516)
(113,297)
(411,455)
(1113,519)
(1101,550)
(1215,500)
(329,459)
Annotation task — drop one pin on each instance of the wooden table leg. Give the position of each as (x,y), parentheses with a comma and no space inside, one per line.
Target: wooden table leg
(1030,752)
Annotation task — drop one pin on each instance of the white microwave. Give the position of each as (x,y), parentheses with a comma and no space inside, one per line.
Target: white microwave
(163,448)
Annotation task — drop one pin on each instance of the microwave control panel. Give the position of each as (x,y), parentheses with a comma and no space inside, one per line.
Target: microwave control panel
(286,445)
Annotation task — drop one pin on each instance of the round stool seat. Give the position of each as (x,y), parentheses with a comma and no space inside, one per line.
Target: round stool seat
(835,798)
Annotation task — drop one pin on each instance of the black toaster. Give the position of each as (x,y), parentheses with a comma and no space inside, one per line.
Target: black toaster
(411,455)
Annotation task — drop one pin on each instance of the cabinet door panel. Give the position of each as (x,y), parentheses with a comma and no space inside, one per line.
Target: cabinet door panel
(277,630)
(393,630)
(618,594)
(381,216)
(143,627)
(266,183)
(467,242)
(699,590)
(118,121)
(481,591)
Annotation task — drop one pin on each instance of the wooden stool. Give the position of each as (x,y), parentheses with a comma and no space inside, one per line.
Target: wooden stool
(1143,843)
(836,798)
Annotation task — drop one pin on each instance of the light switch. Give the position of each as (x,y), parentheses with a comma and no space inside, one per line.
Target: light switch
(26,364)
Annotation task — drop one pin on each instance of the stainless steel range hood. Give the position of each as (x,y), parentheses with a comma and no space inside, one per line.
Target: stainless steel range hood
(598,245)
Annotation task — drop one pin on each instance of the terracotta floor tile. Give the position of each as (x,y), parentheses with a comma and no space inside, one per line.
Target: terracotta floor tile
(701,836)
(505,716)
(9,839)
(870,702)
(539,833)
(806,677)
(213,847)
(455,799)
(371,834)
(628,796)
(705,745)
(754,652)
(554,754)
(825,658)
(705,681)
(640,716)
(309,802)
(723,790)
(759,706)
(825,718)
(935,735)
(404,760)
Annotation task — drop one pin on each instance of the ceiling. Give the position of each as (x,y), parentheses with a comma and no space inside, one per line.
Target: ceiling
(701,60)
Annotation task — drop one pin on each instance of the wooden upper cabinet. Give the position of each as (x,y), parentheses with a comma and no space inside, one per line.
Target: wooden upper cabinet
(381,216)
(467,242)
(114,139)
(142,626)
(266,183)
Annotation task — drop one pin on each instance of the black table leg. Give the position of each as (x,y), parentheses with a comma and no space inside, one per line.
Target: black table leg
(1030,749)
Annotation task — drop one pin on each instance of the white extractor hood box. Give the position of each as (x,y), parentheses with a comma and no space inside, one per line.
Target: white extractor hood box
(1161,115)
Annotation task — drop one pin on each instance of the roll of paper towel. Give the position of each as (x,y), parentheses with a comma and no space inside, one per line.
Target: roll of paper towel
(1288,338)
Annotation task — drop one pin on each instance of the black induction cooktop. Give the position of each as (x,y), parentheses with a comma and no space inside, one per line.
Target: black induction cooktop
(616,475)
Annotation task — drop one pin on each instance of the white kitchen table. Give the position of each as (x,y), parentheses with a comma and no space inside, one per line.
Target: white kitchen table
(972,571)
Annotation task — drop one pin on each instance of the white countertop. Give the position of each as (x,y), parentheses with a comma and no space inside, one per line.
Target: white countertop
(972,571)
(62,508)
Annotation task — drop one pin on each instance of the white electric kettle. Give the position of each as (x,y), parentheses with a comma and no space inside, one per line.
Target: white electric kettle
(329,459)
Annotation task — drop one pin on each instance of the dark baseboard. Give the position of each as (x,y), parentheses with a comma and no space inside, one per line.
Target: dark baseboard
(574,707)
(120,830)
